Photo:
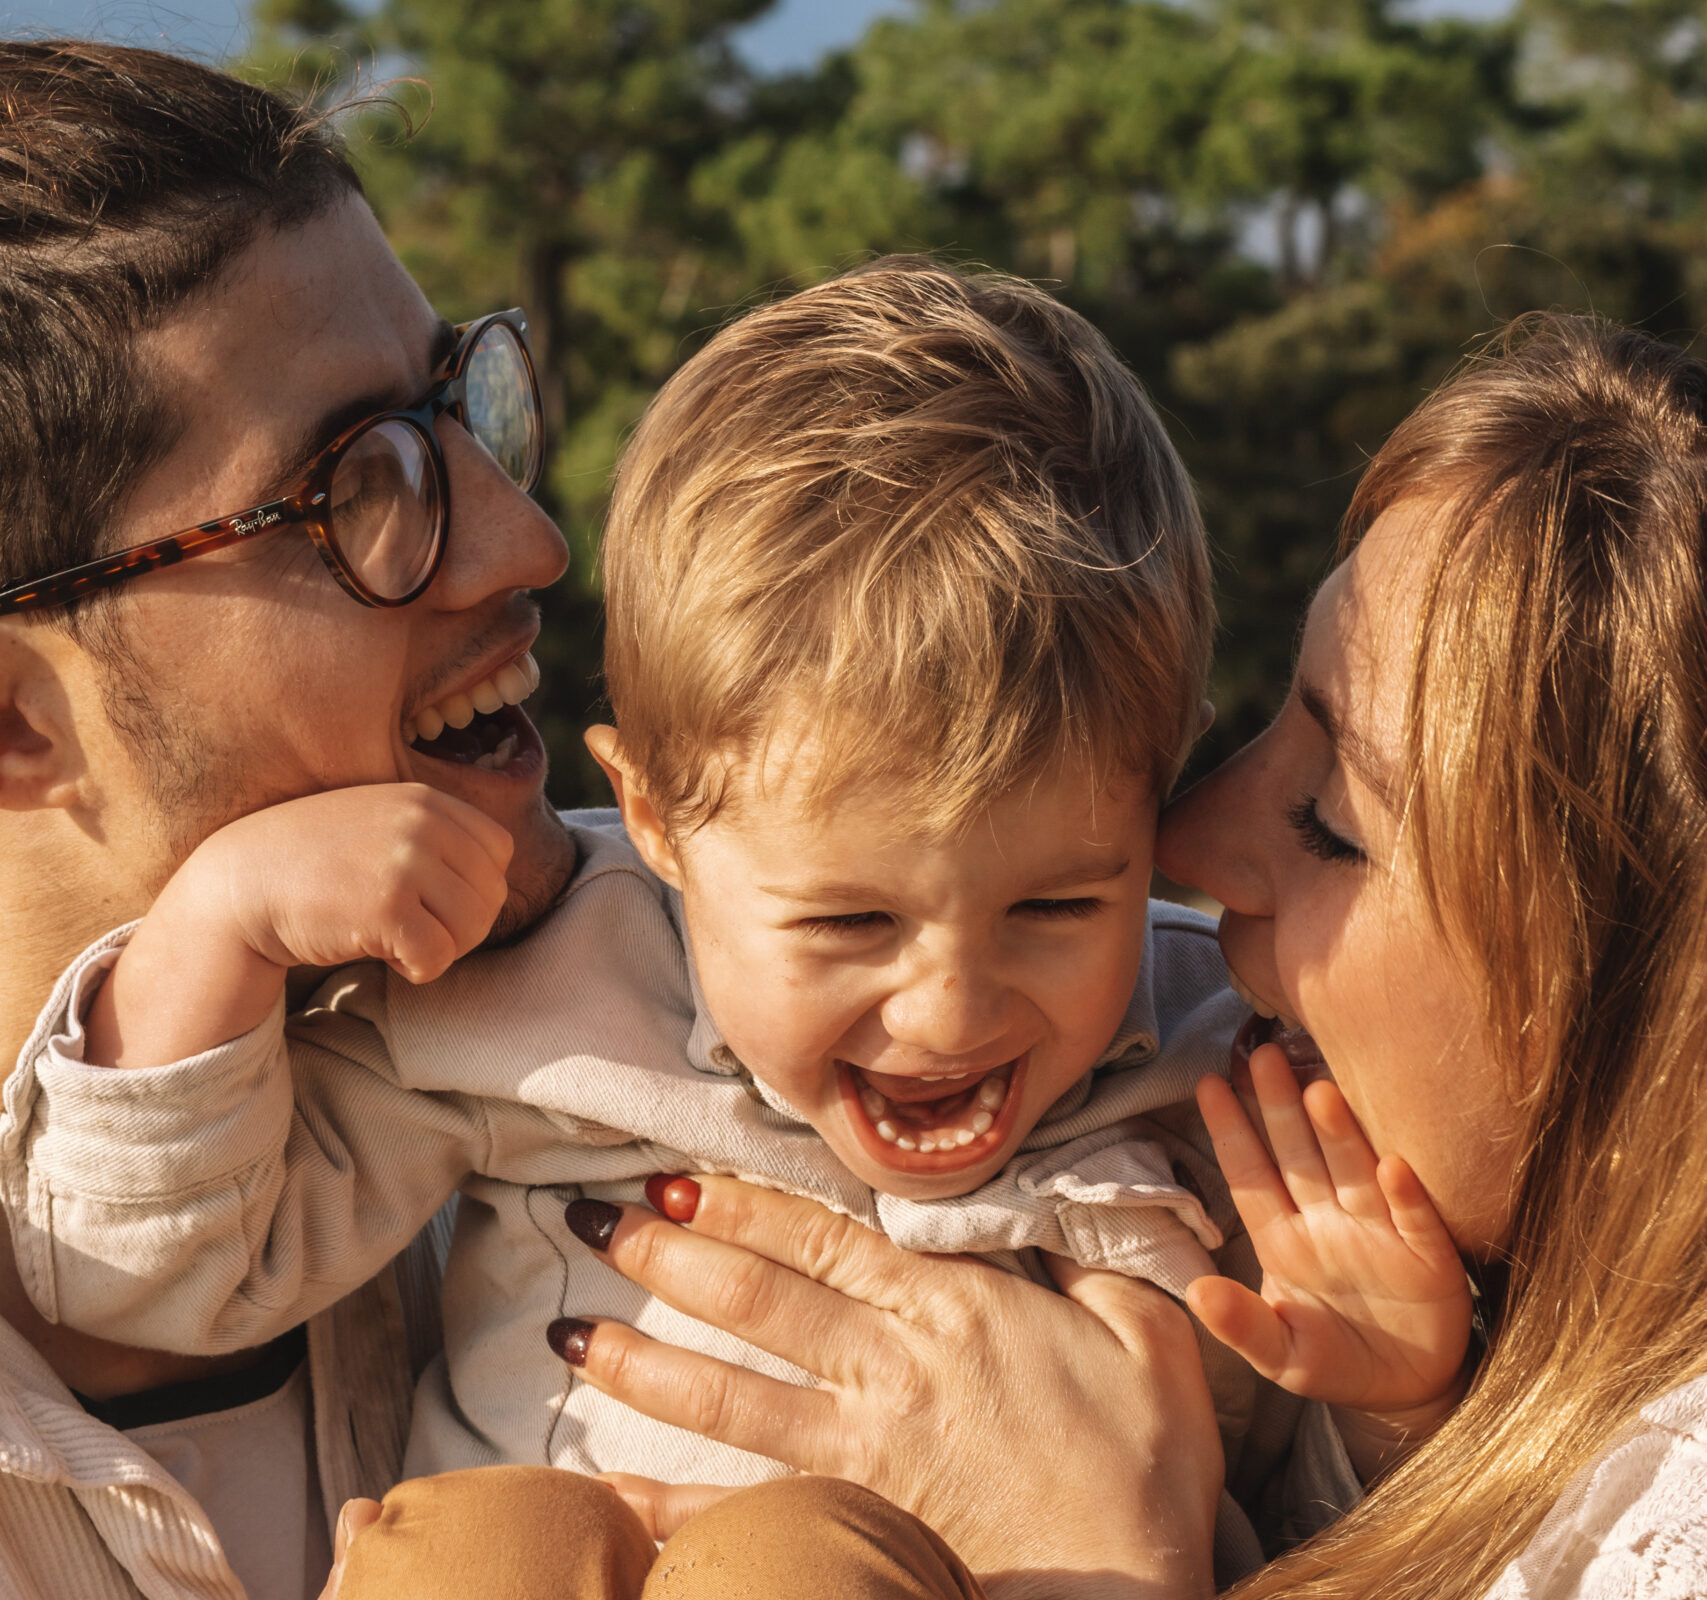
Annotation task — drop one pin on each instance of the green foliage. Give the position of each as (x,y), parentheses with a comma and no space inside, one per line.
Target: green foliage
(1292,216)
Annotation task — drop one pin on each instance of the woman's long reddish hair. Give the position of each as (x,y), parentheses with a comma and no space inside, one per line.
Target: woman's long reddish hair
(1556,754)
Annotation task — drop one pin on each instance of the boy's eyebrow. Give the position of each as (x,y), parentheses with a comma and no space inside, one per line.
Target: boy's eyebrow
(1081,875)
(1350,745)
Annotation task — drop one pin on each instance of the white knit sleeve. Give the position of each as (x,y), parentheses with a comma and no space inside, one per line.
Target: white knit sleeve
(1633,1526)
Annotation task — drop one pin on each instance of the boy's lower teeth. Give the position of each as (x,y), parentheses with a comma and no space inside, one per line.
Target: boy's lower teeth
(919,1127)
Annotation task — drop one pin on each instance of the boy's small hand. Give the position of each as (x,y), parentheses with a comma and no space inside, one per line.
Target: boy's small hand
(1365,1303)
(393,872)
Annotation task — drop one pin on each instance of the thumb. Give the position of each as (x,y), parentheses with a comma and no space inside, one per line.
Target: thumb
(1137,1313)
(664,1507)
(356,1515)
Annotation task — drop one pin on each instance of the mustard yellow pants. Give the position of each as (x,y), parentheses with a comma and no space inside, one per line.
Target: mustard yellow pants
(532,1533)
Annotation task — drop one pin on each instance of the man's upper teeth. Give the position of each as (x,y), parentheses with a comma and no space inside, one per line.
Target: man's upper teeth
(511,684)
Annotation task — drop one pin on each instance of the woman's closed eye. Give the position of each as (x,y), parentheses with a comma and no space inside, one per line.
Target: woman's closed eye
(1317,837)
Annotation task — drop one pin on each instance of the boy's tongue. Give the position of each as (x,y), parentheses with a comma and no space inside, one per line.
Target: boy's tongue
(910,1090)
(952,1116)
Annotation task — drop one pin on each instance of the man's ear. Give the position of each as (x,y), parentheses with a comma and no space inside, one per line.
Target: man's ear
(645,827)
(39,757)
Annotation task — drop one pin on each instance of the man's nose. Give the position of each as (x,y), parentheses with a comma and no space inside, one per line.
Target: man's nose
(1218,835)
(497,539)
(951,1005)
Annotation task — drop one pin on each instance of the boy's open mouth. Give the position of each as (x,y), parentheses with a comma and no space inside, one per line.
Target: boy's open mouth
(932,1125)
(483,726)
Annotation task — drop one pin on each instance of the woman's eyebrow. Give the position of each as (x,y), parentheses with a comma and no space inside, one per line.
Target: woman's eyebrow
(1350,745)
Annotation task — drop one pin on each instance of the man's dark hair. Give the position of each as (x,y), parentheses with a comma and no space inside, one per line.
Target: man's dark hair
(128,180)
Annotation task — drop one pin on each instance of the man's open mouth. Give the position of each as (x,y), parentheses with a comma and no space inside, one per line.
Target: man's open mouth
(932,1124)
(482,726)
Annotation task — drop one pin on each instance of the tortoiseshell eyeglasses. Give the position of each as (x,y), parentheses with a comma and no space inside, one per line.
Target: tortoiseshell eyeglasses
(376,500)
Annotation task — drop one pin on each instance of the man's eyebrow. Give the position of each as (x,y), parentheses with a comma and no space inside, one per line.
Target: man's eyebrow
(1356,751)
(347,413)
(1081,875)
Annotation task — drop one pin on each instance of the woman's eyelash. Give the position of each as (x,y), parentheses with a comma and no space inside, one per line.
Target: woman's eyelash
(1316,836)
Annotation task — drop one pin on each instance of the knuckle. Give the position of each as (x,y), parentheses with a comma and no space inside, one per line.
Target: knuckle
(710,1402)
(746,1291)
(910,1392)
(610,1356)
(825,1240)
(645,1254)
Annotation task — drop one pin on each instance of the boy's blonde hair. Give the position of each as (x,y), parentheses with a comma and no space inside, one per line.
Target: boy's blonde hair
(928,521)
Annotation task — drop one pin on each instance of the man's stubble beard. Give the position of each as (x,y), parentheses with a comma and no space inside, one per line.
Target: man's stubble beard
(537,886)
(195,787)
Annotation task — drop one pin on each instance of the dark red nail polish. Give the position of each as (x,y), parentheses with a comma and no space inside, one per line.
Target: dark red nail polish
(569,1338)
(675,1198)
(593,1222)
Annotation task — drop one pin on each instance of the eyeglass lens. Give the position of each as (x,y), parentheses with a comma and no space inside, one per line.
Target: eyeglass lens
(501,411)
(384,510)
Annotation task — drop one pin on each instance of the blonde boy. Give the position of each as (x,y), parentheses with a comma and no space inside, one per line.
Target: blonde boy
(908,622)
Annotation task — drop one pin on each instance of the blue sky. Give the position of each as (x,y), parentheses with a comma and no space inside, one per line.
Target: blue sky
(793,35)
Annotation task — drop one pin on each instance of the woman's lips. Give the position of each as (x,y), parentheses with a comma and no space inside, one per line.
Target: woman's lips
(920,1127)
(1302,1052)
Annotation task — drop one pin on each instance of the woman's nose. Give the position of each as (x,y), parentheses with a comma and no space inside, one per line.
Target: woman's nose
(1217,836)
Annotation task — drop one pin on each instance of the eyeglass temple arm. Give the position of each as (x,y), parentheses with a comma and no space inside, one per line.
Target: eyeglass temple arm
(122,565)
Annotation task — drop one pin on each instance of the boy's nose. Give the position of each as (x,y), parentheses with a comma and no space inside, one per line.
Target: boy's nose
(948,1019)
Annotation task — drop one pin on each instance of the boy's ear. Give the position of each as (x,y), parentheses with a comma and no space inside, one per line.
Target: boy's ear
(645,827)
(39,757)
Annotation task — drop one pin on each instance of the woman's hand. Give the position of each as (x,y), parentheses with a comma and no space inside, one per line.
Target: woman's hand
(1063,1444)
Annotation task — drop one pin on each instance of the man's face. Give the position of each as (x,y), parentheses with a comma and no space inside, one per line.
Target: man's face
(921,1001)
(249,677)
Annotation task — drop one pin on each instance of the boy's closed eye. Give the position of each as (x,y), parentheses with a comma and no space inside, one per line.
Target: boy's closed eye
(1058,910)
(1038,909)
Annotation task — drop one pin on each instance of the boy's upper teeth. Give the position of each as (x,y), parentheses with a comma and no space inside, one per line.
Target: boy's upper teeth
(511,684)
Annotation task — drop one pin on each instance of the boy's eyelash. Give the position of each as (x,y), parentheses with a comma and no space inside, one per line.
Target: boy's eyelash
(1062,909)
(849,922)
(1044,910)
(1316,836)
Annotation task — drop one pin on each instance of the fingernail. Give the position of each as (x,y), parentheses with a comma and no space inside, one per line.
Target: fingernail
(570,1336)
(675,1198)
(593,1222)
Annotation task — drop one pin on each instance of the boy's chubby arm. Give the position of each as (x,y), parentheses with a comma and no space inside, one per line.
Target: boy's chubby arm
(208,1203)
(393,872)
